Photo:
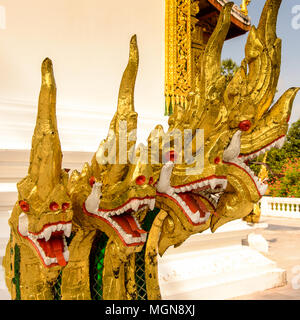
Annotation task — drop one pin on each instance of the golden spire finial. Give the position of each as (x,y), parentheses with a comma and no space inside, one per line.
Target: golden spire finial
(244,5)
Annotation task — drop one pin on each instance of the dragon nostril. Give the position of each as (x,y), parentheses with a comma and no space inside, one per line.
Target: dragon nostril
(54,206)
(140,180)
(24,205)
(151,180)
(245,125)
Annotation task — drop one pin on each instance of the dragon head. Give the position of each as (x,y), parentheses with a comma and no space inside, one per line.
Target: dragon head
(116,190)
(42,216)
(216,185)
(257,125)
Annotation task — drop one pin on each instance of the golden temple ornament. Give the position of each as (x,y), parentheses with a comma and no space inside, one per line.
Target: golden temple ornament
(244,6)
(96,234)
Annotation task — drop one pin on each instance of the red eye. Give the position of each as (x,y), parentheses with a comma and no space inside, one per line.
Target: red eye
(217,160)
(151,180)
(245,125)
(54,206)
(24,206)
(171,156)
(92,181)
(140,180)
(65,206)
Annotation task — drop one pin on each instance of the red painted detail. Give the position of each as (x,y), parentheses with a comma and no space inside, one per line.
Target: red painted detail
(171,156)
(92,180)
(65,206)
(24,206)
(116,230)
(54,206)
(245,125)
(190,201)
(217,160)
(164,195)
(140,180)
(151,180)
(54,247)
(38,251)
(127,223)
(194,203)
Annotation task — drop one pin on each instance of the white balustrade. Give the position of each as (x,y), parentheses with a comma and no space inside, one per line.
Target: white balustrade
(280,207)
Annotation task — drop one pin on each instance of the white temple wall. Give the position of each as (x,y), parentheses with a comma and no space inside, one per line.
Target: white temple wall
(88,42)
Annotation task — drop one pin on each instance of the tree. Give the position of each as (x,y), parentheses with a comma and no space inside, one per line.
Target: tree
(289,184)
(284,175)
(277,158)
(228,69)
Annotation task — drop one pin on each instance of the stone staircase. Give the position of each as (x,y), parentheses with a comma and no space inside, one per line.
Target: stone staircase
(218,266)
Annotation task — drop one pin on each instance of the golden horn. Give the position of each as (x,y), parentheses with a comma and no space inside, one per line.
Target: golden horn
(126,92)
(46,155)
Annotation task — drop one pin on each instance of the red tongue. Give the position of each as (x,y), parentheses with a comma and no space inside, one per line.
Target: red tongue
(54,248)
(128,225)
(133,225)
(189,201)
(57,248)
(194,202)
(201,205)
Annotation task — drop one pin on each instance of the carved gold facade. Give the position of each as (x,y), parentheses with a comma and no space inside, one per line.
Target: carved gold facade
(187,31)
(123,210)
(178,77)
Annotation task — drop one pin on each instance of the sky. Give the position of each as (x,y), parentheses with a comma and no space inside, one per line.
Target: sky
(288,29)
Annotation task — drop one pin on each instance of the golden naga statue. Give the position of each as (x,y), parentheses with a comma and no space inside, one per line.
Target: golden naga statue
(123,209)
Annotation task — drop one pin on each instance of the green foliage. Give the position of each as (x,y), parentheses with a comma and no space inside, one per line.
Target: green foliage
(289,184)
(284,176)
(228,69)
(277,158)
(292,145)
(256,167)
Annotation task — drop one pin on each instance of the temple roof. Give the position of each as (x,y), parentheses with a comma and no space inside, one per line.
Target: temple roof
(209,11)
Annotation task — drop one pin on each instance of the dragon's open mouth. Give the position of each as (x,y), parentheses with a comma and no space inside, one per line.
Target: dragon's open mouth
(233,157)
(50,243)
(123,219)
(189,197)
